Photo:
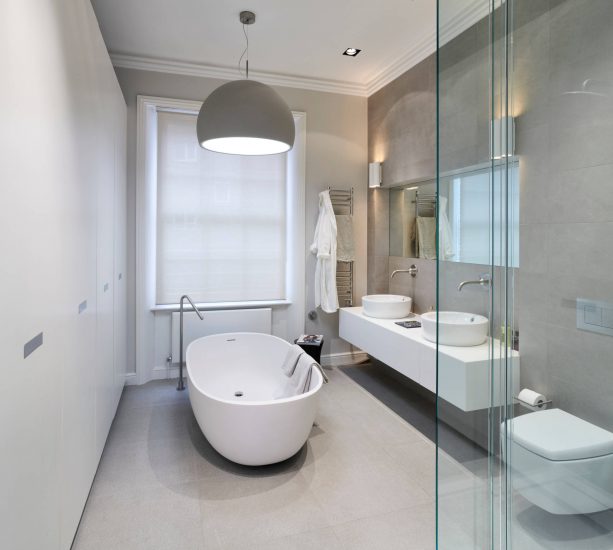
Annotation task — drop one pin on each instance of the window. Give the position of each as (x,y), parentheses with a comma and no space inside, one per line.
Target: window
(221,223)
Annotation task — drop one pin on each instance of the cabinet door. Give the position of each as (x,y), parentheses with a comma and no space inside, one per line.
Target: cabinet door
(79,372)
(105,403)
(120,294)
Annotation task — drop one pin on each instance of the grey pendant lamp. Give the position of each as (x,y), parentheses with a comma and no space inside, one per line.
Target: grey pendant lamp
(245,117)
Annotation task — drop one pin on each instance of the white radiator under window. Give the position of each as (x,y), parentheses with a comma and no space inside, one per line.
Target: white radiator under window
(218,322)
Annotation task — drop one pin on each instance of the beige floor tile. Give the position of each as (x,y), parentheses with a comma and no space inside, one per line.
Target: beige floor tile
(156,393)
(143,464)
(258,508)
(167,421)
(320,539)
(352,486)
(160,518)
(407,529)
(418,460)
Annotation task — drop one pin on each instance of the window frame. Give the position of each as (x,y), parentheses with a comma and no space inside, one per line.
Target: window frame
(233,304)
(292,309)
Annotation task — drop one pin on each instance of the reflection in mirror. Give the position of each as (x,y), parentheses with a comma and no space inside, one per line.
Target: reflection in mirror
(407,204)
(469,200)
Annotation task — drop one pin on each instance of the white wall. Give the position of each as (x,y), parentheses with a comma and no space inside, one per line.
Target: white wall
(336,156)
(62,235)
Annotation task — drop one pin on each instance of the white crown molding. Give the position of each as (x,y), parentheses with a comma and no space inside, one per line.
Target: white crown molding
(417,53)
(470,14)
(228,73)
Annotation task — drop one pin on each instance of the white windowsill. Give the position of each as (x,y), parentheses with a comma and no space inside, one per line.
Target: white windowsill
(209,306)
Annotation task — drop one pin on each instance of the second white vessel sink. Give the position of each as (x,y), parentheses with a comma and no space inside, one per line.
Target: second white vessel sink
(455,328)
(386,306)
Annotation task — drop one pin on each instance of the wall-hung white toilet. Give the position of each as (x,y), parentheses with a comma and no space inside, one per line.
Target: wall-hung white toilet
(560,463)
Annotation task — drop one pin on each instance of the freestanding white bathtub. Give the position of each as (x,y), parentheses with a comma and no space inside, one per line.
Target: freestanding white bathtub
(232,380)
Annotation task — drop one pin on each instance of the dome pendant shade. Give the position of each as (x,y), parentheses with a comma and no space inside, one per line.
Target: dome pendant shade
(245,117)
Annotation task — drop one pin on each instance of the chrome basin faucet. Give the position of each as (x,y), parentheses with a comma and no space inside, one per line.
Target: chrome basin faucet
(181,385)
(412,271)
(484,281)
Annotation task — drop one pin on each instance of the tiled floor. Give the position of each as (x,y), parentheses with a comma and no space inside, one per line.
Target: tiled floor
(365,480)
(464,490)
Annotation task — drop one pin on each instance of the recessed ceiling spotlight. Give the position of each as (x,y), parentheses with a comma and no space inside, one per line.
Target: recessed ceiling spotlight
(351,52)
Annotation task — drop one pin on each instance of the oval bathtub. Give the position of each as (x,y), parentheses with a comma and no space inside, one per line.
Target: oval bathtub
(232,380)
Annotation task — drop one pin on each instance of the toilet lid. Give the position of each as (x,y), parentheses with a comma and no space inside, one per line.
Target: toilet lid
(558,435)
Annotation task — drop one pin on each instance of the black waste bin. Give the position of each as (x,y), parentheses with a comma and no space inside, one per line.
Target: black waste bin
(312,345)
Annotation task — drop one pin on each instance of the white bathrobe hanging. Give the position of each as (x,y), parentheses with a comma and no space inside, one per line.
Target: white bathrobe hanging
(324,246)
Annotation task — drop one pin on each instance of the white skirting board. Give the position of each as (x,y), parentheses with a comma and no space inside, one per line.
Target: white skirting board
(218,322)
(345,358)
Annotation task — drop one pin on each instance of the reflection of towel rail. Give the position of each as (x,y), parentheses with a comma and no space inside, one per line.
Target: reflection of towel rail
(425,204)
(342,203)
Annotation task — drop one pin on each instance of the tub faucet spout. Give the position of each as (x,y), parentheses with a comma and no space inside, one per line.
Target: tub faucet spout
(181,384)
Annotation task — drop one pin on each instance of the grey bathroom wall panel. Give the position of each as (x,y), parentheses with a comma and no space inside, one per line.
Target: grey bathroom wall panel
(378,240)
(402,129)
(59,116)
(336,156)
(402,125)
(565,145)
(378,276)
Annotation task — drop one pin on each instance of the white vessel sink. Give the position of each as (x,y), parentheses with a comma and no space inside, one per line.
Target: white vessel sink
(455,328)
(386,306)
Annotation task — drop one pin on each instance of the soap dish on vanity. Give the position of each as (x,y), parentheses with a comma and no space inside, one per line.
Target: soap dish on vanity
(408,324)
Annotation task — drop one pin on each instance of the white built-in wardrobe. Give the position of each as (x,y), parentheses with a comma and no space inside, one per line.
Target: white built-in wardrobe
(62,265)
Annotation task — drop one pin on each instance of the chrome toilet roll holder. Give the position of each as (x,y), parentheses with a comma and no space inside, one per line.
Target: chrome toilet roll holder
(540,407)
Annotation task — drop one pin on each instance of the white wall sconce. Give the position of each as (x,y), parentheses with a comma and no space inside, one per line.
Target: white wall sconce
(504,137)
(375,171)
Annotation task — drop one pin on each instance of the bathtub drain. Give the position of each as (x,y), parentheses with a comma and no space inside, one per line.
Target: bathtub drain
(238,394)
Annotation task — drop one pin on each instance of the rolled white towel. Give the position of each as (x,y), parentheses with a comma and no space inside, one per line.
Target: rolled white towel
(300,382)
(302,376)
(291,360)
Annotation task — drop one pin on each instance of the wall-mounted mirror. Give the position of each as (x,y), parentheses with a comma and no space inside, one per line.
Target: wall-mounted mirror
(466,200)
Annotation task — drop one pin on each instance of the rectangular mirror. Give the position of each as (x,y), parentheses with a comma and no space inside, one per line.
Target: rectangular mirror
(466,197)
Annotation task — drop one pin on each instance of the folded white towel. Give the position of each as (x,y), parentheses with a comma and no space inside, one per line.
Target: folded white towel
(426,237)
(299,382)
(291,360)
(445,244)
(345,248)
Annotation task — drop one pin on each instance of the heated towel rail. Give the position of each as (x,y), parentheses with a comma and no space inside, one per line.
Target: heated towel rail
(342,203)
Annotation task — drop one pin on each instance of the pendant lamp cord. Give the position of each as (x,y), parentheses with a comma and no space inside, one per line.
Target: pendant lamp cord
(245,51)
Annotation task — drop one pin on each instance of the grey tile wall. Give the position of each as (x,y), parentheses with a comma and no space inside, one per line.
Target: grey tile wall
(402,135)
(402,125)
(565,144)
(378,240)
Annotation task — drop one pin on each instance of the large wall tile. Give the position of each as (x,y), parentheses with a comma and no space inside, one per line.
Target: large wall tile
(565,145)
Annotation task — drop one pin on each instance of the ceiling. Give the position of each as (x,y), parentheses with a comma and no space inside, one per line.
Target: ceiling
(295,43)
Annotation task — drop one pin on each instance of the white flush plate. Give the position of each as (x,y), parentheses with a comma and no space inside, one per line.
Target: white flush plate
(595,316)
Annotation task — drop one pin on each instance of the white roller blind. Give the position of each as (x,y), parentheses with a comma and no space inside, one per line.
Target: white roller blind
(221,220)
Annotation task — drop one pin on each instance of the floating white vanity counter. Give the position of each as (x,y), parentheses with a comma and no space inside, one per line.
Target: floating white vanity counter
(464,372)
